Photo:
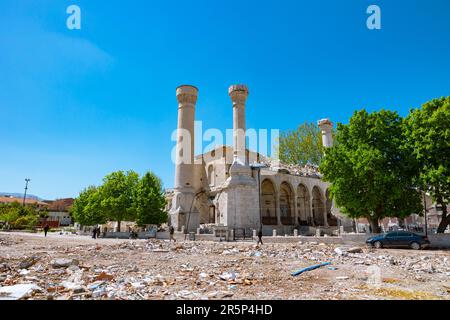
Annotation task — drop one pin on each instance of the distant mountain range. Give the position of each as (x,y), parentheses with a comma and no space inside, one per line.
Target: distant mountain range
(20,195)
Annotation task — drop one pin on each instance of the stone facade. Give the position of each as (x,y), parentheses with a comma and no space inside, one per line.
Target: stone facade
(224,187)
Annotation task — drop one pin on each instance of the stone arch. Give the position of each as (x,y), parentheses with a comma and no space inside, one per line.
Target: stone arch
(332,220)
(211,174)
(268,203)
(318,206)
(303,204)
(286,204)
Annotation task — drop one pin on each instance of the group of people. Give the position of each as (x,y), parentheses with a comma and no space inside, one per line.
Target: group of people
(96,233)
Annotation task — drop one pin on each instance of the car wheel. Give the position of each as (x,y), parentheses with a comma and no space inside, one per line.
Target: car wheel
(378,245)
(415,246)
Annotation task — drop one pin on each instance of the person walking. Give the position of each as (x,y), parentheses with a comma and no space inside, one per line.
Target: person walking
(171,232)
(259,237)
(94,233)
(46,228)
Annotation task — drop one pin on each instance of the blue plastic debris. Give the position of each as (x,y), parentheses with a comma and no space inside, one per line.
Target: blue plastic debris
(296,273)
(331,268)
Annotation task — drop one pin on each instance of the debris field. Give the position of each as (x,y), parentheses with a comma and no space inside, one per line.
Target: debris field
(62,267)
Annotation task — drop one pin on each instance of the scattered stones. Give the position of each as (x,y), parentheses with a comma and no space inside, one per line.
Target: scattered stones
(95,285)
(24,272)
(4,267)
(340,251)
(355,250)
(134,269)
(28,262)
(157,269)
(78,289)
(104,277)
(63,263)
(392,262)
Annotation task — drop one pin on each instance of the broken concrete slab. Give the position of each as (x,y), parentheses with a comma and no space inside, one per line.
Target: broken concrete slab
(17,291)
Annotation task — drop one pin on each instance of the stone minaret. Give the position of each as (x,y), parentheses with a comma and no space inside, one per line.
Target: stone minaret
(327,138)
(240,170)
(238,95)
(184,166)
(239,199)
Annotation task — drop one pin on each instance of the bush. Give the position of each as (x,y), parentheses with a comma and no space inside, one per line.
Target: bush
(25,222)
(10,216)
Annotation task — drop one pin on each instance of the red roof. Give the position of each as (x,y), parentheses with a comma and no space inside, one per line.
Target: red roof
(60,205)
(20,200)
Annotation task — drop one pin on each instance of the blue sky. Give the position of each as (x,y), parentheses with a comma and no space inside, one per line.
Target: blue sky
(78,104)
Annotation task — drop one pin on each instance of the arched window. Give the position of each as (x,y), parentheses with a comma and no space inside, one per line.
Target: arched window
(318,206)
(286,204)
(303,204)
(268,203)
(211,174)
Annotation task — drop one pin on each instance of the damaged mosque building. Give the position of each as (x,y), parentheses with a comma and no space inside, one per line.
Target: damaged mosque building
(233,189)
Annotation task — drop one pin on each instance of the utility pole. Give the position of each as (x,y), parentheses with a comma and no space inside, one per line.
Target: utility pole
(26,188)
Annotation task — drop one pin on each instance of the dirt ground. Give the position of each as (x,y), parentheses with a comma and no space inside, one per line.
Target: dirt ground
(79,267)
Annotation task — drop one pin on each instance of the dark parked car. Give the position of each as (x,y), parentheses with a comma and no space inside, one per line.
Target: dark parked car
(399,239)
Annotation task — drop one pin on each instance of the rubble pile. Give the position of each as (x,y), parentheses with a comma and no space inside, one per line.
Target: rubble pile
(84,268)
(308,170)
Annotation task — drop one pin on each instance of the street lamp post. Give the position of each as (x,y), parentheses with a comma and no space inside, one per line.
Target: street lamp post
(26,188)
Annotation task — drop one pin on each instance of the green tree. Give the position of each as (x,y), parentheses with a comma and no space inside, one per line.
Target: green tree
(87,209)
(19,216)
(117,193)
(302,145)
(428,132)
(150,201)
(370,170)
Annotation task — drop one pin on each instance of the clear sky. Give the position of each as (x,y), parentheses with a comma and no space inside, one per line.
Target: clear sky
(78,104)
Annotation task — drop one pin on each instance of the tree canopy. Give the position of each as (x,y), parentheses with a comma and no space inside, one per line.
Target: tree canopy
(116,194)
(370,170)
(87,209)
(21,217)
(301,146)
(428,134)
(150,201)
(123,196)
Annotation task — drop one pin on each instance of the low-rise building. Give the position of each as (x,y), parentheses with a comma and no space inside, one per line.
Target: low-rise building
(58,210)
